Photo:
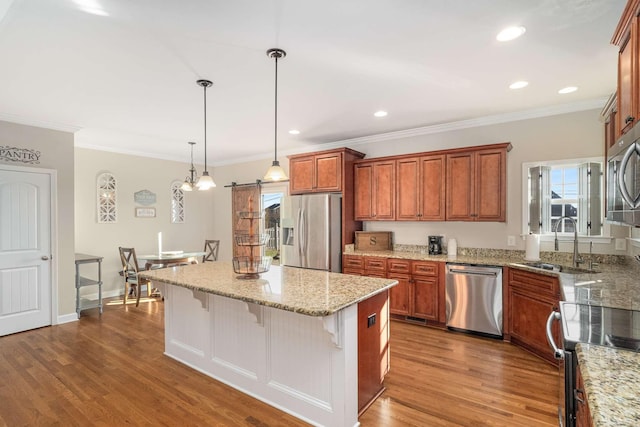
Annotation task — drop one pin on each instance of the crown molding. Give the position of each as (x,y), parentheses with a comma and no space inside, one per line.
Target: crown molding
(39,123)
(477,122)
(554,110)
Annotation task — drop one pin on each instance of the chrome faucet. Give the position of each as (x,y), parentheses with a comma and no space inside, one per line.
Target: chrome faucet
(577,259)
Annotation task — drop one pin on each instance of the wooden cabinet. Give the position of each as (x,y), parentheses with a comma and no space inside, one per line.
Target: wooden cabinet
(373,348)
(374,186)
(583,413)
(417,292)
(420,188)
(353,264)
(627,38)
(358,265)
(476,184)
(320,173)
(531,298)
(328,171)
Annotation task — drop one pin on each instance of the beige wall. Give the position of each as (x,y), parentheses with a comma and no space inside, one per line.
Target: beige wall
(565,136)
(56,152)
(134,174)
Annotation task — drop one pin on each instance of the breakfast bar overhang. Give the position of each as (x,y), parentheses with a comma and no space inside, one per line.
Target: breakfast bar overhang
(311,343)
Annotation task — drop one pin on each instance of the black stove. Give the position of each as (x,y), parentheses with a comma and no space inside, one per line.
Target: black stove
(592,324)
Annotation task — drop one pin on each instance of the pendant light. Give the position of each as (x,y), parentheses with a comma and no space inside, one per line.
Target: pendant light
(205,182)
(275,172)
(190,181)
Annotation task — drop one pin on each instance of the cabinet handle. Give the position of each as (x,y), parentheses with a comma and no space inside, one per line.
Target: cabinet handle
(628,120)
(577,392)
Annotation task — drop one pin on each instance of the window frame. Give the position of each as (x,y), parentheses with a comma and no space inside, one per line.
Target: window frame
(605,237)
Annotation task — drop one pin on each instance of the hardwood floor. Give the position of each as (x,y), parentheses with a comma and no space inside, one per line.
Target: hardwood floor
(109,370)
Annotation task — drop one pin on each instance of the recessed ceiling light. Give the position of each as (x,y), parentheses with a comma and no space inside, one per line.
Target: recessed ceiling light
(510,33)
(518,85)
(294,132)
(380,113)
(568,89)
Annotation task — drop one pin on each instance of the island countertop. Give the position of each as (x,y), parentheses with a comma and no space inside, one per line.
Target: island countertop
(310,292)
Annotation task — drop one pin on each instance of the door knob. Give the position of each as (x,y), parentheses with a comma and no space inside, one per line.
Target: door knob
(45,258)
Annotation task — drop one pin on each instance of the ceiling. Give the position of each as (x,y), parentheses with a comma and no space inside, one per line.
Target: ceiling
(122,74)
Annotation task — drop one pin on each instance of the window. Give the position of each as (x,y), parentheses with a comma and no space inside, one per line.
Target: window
(106,198)
(564,195)
(177,203)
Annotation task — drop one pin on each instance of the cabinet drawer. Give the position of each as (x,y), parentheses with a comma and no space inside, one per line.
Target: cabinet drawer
(424,268)
(398,266)
(375,264)
(538,283)
(352,262)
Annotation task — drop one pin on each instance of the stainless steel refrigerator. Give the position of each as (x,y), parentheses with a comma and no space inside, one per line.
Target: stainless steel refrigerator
(312,231)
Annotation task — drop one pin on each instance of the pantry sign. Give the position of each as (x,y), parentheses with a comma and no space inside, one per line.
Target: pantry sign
(19,155)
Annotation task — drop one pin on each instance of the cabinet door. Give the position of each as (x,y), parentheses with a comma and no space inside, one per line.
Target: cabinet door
(384,190)
(460,185)
(301,172)
(328,171)
(400,295)
(528,320)
(375,191)
(583,414)
(626,83)
(491,179)
(363,183)
(425,297)
(432,188)
(408,189)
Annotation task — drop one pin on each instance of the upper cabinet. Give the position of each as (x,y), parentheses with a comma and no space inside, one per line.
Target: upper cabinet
(476,184)
(626,37)
(328,171)
(374,190)
(462,184)
(420,188)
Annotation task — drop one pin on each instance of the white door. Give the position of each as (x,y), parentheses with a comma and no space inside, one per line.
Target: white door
(25,250)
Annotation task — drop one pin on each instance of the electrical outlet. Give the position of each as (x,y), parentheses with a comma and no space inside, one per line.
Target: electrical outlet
(621,244)
(371,320)
(511,240)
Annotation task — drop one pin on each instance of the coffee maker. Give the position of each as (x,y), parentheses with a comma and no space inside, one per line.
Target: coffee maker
(435,245)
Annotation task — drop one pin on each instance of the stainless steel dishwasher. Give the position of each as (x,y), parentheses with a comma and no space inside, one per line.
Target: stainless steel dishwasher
(474,298)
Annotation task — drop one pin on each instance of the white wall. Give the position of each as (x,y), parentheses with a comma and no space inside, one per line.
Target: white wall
(134,174)
(56,152)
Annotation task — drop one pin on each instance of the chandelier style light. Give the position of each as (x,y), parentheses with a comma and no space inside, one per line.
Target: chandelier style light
(205,182)
(190,181)
(275,172)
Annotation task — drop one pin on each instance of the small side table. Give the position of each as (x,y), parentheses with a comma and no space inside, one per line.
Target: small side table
(83,304)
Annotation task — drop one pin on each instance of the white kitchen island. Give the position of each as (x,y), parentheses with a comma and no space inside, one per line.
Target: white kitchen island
(294,338)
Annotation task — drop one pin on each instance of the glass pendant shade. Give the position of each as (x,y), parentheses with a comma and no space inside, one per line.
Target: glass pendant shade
(186,186)
(275,172)
(205,182)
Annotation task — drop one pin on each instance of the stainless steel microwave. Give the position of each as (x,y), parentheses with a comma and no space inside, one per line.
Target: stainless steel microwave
(623,179)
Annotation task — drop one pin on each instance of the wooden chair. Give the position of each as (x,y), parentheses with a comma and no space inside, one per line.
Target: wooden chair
(130,273)
(211,248)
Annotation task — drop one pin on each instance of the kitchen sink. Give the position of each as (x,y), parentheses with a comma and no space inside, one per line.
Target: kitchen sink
(559,268)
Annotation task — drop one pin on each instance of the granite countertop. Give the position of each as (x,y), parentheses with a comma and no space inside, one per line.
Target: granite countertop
(612,384)
(615,284)
(310,292)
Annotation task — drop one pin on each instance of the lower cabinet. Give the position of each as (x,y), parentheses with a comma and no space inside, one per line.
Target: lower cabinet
(583,413)
(416,294)
(373,349)
(531,298)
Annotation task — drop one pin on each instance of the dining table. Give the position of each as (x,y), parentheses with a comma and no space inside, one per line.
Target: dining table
(170,258)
